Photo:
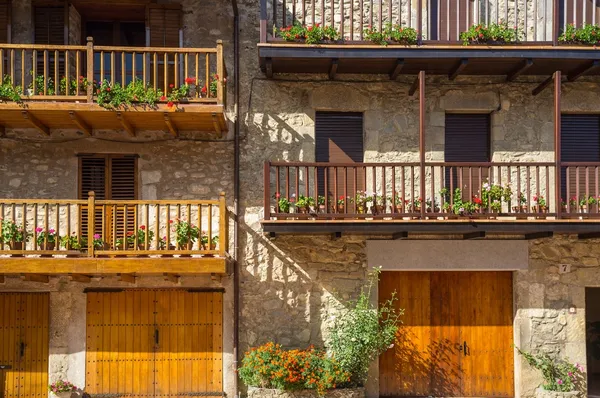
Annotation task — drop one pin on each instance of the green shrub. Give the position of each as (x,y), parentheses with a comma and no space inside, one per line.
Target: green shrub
(559,374)
(500,33)
(587,34)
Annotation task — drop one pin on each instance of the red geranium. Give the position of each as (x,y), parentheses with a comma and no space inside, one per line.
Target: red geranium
(170,104)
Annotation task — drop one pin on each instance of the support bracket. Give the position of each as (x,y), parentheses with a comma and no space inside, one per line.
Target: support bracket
(36,123)
(462,64)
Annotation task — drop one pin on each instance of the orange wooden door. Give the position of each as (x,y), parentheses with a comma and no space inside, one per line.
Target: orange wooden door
(154,343)
(24,319)
(456,337)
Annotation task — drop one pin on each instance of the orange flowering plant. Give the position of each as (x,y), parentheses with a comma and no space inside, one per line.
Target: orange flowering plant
(270,366)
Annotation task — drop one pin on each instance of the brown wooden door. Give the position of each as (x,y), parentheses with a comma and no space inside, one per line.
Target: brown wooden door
(24,344)
(154,343)
(456,338)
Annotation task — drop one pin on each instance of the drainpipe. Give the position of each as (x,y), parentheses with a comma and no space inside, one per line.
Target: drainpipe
(236,194)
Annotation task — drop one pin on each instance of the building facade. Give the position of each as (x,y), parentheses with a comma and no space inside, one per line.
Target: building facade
(262,119)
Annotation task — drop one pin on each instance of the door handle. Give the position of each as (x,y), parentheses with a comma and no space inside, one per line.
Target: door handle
(156,337)
(459,346)
(22,349)
(465,348)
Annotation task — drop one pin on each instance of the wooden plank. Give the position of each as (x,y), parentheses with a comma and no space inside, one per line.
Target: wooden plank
(397,69)
(414,86)
(126,124)
(35,122)
(80,123)
(458,68)
(542,85)
(333,67)
(170,125)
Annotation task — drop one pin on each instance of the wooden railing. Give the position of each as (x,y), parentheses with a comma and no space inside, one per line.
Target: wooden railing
(92,228)
(437,190)
(76,73)
(435,20)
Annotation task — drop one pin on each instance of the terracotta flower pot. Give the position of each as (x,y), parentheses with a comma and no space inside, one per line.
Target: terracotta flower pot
(15,245)
(47,246)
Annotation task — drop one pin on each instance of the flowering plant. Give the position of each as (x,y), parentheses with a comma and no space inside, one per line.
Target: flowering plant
(305,202)
(270,366)
(363,198)
(12,232)
(312,34)
(341,201)
(587,34)
(186,233)
(500,33)
(97,241)
(62,386)
(559,374)
(10,92)
(284,203)
(113,96)
(539,199)
(130,239)
(141,235)
(496,206)
(44,236)
(391,33)
(73,242)
(573,201)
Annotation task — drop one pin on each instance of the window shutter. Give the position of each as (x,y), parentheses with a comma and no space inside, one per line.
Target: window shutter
(49,25)
(5,21)
(164,24)
(580,142)
(467,139)
(123,178)
(93,177)
(339,139)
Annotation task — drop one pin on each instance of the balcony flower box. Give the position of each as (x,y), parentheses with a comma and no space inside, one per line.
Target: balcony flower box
(255,392)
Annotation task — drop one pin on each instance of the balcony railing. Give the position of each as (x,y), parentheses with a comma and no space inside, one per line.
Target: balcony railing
(107,228)
(439,190)
(75,73)
(435,20)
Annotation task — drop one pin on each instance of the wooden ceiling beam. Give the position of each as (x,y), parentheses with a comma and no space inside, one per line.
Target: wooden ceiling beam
(36,123)
(80,123)
(333,68)
(582,70)
(126,125)
(397,69)
(217,125)
(35,278)
(460,66)
(413,88)
(474,235)
(542,85)
(539,235)
(520,69)
(171,125)
(80,278)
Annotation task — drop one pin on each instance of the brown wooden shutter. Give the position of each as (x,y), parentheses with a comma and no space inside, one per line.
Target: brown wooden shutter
(49,25)
(580,142)
(5,21)
(467,139)
(164,24)
(339,139)
(453,19)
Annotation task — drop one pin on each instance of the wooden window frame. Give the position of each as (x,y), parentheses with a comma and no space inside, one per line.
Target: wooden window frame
(107,172)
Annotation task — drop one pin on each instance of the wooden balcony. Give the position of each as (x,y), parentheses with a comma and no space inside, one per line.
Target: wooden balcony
(401,198)
(438,49)
(40,75)
(100,237)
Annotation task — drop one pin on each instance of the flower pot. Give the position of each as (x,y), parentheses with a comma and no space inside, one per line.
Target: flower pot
(303,210)
(572,208)
(47,246)
(593,207)
(15,245)
(541,393)
(322,209)
(340,209)
(360,209)
(378,209)
(66,394)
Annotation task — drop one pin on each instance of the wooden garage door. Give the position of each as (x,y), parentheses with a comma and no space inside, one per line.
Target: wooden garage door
(24,344)
(154,343)
(456,338)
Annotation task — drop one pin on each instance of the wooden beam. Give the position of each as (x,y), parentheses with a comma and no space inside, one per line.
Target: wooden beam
(80,123)
(589,235)
(126,125)
(542,85)
(474,235)
(397,69)
(216,125)
(520,69)
(35,278)
(583,69)
(269,68)
(460,66)
(128,278)
(400,235)
(414,86)
(422,115)
(333,68)
(80,278)
(171,126)
(557,140)
(173,278)
(36,123)
(539,235)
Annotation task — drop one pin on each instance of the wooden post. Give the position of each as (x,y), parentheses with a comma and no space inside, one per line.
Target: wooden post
(419,22)
(267,187)
(422,140)
(557,148)
(91,222)
(220,72)
(263,21)
(555,21)
(90,69)
(223,241)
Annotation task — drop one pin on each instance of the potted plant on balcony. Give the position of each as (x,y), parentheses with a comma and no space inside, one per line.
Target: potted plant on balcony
(378,204)
(416,205)
(73,242)
(186,234)
(588,34)
(13,234)
(141,238)
(573,204)
(362,201)
(321,204)
(340,204)
(592,204)
(46,239)
(305,204)
(492,34)
(539,205)
(62,388)
(521,207)
(496,206)
(561,377)
(583,204)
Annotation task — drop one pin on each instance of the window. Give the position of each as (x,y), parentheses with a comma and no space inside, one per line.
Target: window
(580,142)
(339,139)
(49,25)
(110,177)
(467,139)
